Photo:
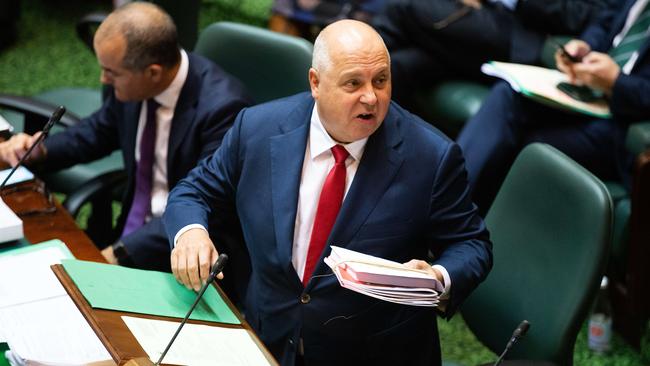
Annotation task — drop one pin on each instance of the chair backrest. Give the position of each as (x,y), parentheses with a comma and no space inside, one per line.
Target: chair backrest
(551,226)
(270,64)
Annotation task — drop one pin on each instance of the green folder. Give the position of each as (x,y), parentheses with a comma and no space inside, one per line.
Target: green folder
(24,247)
(112,287)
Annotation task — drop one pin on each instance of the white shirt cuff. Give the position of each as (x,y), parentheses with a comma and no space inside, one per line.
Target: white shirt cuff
(186,228)
(446,278)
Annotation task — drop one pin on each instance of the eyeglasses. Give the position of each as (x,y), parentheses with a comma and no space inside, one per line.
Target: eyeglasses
(43,205)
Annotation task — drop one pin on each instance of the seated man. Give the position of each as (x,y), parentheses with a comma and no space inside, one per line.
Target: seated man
(396,188)
(436,40)
(166,110)
(614,60)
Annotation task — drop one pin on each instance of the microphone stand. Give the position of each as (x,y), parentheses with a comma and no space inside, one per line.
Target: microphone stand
(56,116)
(516,335)
(216,268)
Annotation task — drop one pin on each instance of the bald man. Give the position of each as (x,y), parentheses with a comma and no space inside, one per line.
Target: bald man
(166,109)
(340,166)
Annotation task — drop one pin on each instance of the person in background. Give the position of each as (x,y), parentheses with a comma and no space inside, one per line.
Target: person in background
(613,59)
(432,41)
(166,109)
(340,166)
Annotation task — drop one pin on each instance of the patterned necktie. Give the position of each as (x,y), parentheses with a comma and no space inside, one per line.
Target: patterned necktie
(329,204)
(633,39)
(141,205)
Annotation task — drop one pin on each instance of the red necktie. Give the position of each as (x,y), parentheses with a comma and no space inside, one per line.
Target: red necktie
(329,204)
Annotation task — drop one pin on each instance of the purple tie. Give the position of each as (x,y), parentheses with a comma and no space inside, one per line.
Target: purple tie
(141,205)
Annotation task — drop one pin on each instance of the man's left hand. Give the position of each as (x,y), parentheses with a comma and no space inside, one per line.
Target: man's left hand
(422,265)
(597,70)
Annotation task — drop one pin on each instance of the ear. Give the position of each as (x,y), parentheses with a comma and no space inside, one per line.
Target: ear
(154,72)
(314,82)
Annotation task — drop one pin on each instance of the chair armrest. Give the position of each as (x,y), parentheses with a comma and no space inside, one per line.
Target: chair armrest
(35,110)
(86,27)
(638,137)
(98,187)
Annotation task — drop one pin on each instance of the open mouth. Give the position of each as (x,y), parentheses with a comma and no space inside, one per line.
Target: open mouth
(365,116)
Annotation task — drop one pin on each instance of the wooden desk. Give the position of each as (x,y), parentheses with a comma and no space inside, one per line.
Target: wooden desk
(107,324)
(55,225)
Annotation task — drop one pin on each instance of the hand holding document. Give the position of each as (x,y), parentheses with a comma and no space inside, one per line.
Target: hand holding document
(383,279)
(540,84)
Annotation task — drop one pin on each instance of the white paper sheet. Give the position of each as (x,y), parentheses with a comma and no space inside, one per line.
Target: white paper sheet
(28,277)
(196,344)
(21,174)
(11,226)
(51,332)
(403,289)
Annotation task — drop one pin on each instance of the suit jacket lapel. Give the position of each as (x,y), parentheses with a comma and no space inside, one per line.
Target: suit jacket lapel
(379,165)
(183,119)
(287,152)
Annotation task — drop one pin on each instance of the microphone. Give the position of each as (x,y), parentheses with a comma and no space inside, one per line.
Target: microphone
(519,333)
(216,268)
(56,116)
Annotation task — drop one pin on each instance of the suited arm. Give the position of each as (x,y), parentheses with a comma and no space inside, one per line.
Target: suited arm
(91,139)
(209,188)
(460,241)
(218,124)
(630,100)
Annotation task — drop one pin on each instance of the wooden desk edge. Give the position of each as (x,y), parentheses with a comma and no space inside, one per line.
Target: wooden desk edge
(121,357)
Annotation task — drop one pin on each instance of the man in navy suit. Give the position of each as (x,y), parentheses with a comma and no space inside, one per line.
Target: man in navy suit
(614,61)
(343,166)
(189,101)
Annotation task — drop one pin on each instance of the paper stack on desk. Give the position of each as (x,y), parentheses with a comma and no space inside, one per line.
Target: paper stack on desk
(38,319)
(11,226)
(383,279)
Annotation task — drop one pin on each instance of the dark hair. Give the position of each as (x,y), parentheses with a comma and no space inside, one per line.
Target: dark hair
(149,40)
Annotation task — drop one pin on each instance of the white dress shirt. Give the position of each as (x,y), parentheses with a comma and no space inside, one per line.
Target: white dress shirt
(164,115)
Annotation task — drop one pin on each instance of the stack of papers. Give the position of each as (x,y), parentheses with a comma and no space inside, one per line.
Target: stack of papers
(383,279)
(11,226)
(540,84)
(38,319)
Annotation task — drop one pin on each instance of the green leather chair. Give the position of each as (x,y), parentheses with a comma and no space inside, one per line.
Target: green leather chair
(551,226)
(270,64)
(450,104)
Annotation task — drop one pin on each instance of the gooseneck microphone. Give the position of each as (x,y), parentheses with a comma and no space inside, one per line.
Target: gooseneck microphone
(519,333)
(216,268)
(56,117)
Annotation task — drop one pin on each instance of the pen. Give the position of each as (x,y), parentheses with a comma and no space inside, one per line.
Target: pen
(566,54)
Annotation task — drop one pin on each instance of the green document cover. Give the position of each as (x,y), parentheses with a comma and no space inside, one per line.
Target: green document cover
(112,287)
(23,248)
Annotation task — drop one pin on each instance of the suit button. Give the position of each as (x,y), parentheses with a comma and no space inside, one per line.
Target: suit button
(305,298)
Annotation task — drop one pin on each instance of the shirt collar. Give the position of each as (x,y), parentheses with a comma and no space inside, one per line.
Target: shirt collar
(169,96)
(320,141)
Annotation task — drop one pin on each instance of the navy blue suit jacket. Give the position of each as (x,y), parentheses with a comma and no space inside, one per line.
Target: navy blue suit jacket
(409,196)
(207,106)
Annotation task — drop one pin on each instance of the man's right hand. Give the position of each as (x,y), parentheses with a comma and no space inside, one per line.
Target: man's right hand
(192,258)
(13,149)
(576,48)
